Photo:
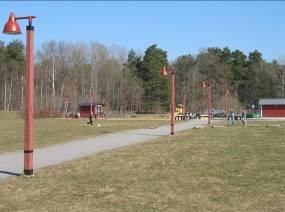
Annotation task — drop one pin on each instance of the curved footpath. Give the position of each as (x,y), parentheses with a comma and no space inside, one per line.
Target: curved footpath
(12,163)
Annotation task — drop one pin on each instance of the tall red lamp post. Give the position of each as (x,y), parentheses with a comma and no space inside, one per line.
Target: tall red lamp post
(172,94)
(208,85)
(226,102)
(92,94)
(13,28)
(184,104)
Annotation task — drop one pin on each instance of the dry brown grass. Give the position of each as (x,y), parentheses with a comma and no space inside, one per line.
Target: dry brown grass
(210,169)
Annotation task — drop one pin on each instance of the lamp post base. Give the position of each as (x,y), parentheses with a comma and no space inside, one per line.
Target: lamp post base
(29,172)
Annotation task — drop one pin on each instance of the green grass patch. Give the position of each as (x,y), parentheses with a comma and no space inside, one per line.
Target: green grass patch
(53,131)
(208,169)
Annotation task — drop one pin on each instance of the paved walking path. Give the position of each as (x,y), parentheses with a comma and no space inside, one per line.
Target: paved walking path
(12,163)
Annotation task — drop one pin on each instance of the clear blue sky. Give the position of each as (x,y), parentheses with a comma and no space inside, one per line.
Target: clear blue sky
(177,27)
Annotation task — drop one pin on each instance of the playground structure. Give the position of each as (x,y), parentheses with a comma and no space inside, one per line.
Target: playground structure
(68,110)
(180,113)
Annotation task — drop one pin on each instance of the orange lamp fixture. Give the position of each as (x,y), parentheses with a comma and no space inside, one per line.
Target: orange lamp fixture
(12,27)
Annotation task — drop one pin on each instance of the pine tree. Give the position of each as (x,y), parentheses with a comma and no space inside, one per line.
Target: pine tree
(156,87)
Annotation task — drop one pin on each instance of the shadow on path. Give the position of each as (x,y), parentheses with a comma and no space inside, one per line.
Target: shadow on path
(10,173)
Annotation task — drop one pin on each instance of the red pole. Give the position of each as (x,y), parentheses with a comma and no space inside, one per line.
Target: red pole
(209,103)
(226,104)
(184,104)
(172,102)
(29,102)
(90,103)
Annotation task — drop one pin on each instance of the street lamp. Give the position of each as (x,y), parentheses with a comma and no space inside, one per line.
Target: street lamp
(184,104)
(207,83)
(172,82)
(92,94)
(13,28)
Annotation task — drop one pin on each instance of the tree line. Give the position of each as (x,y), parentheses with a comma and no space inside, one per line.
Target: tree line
(128,81)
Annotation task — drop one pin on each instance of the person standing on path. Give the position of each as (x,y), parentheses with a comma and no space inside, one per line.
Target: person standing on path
(243,118)
(231,117)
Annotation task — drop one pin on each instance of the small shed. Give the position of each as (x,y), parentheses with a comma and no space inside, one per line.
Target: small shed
(97,108)
(272,107)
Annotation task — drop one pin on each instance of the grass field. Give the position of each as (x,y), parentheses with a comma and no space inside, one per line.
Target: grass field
(209,169)
(52,131)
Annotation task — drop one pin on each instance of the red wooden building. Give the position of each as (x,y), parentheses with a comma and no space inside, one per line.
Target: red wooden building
(272,107)
(97,108)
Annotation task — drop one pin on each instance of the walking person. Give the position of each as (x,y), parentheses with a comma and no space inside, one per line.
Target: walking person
(231,117)
(91,116)
(243,118)
(197,116)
